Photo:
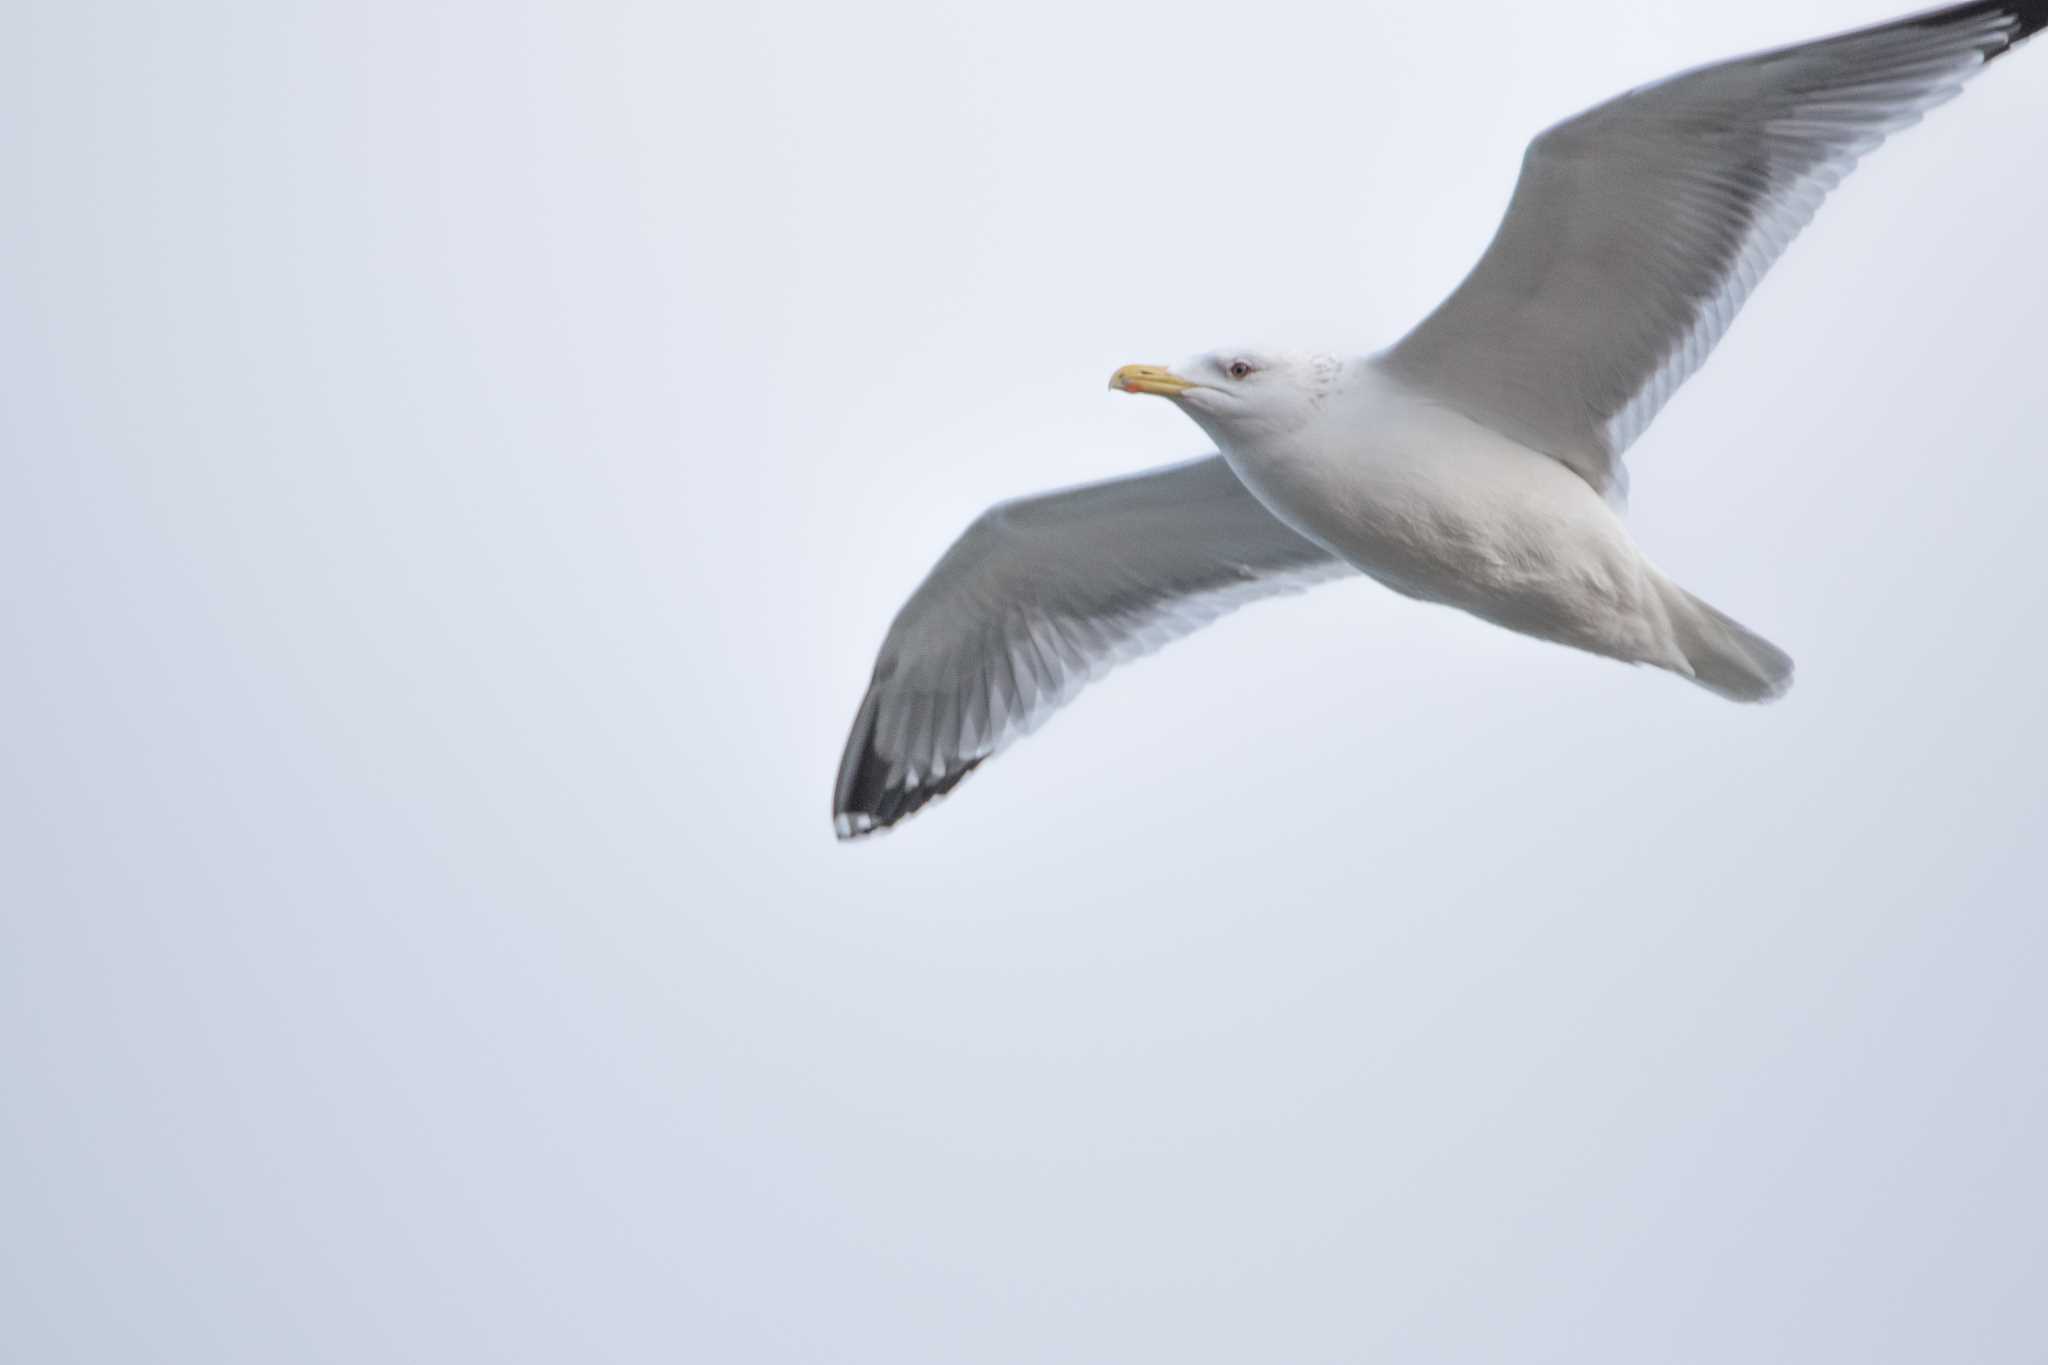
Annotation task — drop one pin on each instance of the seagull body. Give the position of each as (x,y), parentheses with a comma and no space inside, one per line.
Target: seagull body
(1442,508)
(1477,463)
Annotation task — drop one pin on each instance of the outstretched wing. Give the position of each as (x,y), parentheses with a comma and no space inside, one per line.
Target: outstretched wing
(1639,227)
(1037,598)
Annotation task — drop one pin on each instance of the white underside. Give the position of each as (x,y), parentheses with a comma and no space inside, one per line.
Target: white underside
(1440,508)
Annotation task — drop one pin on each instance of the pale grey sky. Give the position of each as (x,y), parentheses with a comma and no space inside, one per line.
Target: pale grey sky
(459,463)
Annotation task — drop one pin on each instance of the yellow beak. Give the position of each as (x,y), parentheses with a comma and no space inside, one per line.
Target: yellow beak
(1150,379)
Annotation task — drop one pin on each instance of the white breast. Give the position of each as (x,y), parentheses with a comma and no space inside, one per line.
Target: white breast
(1439,507)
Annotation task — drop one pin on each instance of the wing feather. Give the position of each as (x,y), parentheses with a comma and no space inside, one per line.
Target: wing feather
(1039,597)
(1638,229)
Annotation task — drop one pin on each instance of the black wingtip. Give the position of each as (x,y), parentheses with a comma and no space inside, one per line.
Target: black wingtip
(2032,17)
(884,798)
(874,792)
(2028,17)
(894,804)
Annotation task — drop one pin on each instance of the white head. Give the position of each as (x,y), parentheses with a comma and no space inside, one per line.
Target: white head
(1241,397)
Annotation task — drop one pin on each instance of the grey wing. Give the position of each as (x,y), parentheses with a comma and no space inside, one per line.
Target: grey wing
(1638,228)
(1037,598)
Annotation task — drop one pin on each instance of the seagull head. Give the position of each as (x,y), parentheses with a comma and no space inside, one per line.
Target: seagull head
(1240,396)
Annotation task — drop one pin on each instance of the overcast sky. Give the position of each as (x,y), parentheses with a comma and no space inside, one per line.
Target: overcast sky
(459,461)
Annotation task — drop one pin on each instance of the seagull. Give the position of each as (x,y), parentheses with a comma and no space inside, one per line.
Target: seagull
(1476,463)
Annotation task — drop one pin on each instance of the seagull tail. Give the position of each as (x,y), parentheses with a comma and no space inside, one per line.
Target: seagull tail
(1726,657)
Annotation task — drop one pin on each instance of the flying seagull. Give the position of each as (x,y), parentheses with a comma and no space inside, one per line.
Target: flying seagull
(1476,463)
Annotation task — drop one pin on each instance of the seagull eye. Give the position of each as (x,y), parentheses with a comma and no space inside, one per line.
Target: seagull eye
(1239,369)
